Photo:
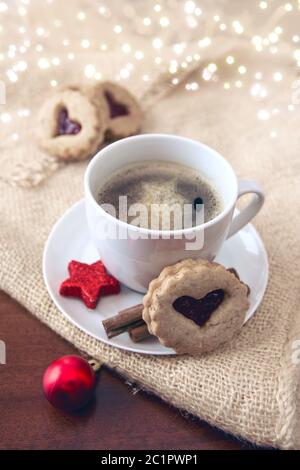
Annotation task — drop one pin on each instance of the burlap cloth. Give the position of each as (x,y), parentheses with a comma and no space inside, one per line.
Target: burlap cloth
(249,387)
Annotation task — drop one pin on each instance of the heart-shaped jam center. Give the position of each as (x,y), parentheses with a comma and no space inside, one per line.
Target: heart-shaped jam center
(116,109)
(199,310)
(65,125)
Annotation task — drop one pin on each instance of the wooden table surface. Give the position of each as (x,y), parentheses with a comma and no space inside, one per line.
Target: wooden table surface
(117,419)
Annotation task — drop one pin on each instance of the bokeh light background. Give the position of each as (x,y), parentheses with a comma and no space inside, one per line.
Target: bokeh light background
(251,48)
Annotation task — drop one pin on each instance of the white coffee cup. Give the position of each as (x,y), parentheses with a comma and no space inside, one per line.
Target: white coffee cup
(140,255)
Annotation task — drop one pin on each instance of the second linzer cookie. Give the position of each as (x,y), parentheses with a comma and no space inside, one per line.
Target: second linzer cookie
(70,127)
(194,306)
(120,109)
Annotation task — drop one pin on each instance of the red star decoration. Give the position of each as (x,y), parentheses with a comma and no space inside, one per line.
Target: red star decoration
(89,282)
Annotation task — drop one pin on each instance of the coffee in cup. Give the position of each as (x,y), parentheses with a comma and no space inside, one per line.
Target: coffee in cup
(160,195)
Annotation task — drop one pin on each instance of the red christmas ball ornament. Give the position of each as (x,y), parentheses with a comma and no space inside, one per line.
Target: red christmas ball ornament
(69,382)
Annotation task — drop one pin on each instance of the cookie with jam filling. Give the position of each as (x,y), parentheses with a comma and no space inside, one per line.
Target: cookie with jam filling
(70,128)
(119,107)
(195,306)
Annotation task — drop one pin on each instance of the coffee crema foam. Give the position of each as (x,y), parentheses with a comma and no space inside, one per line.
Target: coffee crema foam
(160,195)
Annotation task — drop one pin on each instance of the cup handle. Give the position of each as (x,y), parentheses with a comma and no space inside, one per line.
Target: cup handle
(250,211)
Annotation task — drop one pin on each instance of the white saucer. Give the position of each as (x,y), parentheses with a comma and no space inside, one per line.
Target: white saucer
(69,239)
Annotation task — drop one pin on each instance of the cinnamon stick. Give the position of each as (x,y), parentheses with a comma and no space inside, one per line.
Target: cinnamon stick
(125,320)
(139,333)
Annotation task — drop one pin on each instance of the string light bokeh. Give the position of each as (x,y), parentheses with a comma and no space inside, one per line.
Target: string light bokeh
(148,38)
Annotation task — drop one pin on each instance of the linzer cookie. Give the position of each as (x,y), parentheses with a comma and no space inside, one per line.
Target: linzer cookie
(118,107)
(194,306)
(70,127)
